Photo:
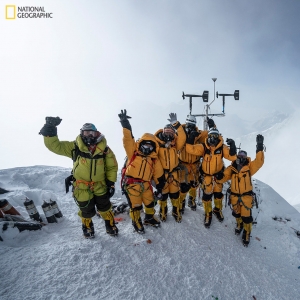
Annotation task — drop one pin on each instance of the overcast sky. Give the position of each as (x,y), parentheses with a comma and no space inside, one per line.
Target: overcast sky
(94,58)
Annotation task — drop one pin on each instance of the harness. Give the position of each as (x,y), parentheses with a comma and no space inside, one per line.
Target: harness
(75,153)
(250,193)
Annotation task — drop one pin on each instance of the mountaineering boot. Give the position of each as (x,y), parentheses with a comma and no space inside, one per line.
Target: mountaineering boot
(176,214)
(208,212)
(207,219)
(136,221)
(110,225)
(111,229)
(239,226)
(246,234)
(218,213)
(163,210)
(88,228)
(176,210)
(192,203)
(182,206)
(138,226)
(151,220)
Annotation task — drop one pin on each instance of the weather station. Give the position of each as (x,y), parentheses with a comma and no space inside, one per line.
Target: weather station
(205,97)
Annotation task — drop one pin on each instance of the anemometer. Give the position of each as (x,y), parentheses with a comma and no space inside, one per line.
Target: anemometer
(204,96)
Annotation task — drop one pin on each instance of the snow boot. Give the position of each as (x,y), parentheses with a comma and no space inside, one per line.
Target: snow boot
(207,219)
(163,210)
(176,214)
(192,203)
(246,234)
(88,228)
(151,220)
(110,225)
(218,213)
(239,226)
(137,224)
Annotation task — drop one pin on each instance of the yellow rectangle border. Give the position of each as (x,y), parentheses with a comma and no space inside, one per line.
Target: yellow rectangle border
(6,8)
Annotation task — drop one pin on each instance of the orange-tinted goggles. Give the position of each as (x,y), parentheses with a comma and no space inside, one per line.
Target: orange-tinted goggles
(90,132)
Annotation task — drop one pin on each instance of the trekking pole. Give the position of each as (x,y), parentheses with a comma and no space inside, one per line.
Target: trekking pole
(254,221)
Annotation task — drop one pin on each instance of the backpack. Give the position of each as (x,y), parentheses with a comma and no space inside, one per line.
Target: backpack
(123,170)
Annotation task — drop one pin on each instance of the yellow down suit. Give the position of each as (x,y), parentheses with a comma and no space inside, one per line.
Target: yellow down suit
(168,156)
(212,163)
(189,174)
(140,171)
(241,196)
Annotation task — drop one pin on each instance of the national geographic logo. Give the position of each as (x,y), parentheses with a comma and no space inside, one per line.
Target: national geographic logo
(13,12)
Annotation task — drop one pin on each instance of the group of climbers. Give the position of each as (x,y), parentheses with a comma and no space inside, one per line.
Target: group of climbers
(176,160)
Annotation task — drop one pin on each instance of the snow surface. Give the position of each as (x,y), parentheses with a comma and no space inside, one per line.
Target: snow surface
(176,261)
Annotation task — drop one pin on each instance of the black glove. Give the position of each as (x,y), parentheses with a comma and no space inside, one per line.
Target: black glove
(110,188)
(219,175)
(259,143)
(210,123)
(49,129)
(232,147)
(124,119)
(192,136)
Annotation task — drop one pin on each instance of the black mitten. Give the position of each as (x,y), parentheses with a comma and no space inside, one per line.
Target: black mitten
(259,143)
(192,136)
(210,123)
(219,175)
(232,147)
(53,121)
(49,129)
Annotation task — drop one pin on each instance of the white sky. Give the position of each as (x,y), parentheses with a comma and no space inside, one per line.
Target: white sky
(183,261)
(95,58)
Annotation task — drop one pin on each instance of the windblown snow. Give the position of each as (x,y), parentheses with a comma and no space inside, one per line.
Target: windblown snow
(176,261)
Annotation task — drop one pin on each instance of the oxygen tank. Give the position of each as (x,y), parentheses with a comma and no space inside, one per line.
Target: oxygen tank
(48,212)
(7,208)
(56,211)
(32,211)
